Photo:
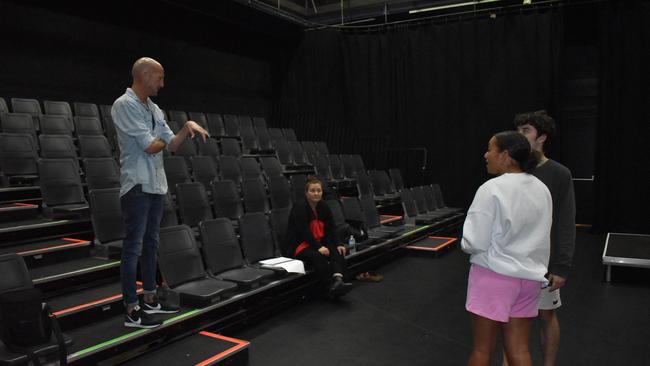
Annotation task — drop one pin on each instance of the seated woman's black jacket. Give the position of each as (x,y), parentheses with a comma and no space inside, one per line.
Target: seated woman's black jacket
(298,229)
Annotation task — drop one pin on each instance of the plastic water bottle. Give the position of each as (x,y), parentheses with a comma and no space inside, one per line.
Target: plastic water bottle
(352,244)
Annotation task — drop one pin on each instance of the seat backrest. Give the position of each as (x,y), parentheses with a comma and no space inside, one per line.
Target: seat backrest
(186,149)
(280,192)
(276,134)
(193,203)
(15,274)
(289,134)
(250,168)
(101,173)
(29,106)
(271,166)
(336,167)
(363,184)
(322,148)
(179,257)
(256,237)
(58,108)
(199,117)
(169,217)
(173,125)
(410,209)
(248,139)
(94,146)
(215,124)
(209,147)
(229,169)
(227,202)
(57,147)
(342,227)
(175,171)
(310,150)
(105,111)
(106,214)
(177,116)
(204,170)
(263,138)
(88,126)
(86,109)
(438,194)
(259,122)
(375,180)
(283,152)
(352,209)
(396,178)
(59,182)
(298,182)
(3,106)
(386,183)
(230,147)
(18,155)
(231,125)
(18,123)
(349,169)
(359,166)
(420,199)
(255,199)
(429,195)
(279,223)
(245,121)
(221,250)
(370,211)
(56,125)
(297,153)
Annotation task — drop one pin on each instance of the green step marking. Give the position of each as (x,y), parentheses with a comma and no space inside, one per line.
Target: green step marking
(128,335)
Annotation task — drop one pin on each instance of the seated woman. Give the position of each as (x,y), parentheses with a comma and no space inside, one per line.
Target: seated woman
(311,239)
(507,234)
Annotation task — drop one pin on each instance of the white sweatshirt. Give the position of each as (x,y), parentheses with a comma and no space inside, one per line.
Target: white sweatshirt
(508,226)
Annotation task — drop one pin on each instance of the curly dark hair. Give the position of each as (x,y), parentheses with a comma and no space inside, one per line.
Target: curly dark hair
(543,123)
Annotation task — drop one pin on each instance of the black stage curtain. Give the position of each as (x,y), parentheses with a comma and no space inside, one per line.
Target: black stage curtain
(444,87)
(623,143)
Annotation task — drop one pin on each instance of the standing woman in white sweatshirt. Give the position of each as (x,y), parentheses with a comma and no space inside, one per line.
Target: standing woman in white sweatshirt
(507,234)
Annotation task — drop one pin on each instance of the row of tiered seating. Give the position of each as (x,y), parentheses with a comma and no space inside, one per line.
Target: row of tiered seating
(227,209)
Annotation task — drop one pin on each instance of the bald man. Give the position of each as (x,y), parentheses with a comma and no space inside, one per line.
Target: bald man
(142,134)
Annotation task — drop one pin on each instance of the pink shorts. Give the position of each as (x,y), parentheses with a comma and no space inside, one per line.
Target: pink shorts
(499,297)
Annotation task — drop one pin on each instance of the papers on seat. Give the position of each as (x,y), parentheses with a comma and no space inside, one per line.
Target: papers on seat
(289,264)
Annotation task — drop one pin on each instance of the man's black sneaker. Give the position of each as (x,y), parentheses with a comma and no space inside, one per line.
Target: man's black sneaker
(140,319)
(157,307)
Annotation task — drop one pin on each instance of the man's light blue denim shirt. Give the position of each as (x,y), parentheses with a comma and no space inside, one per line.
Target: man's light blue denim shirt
(135,132)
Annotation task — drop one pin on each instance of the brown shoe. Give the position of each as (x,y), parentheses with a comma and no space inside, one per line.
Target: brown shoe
(369,277)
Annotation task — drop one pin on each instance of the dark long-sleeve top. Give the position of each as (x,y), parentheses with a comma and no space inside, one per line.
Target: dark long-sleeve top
(298,229)
(557,178)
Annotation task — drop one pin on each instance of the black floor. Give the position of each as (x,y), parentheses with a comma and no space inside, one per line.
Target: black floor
(416,316)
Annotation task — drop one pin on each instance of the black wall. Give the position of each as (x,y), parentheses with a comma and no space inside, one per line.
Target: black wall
(442,88)
(53,53)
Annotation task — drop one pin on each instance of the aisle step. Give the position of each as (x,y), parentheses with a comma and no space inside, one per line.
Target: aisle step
(69,276)
(202,349)
(14,232)
(89,305)
(433,245)
(17,211)
(50,251)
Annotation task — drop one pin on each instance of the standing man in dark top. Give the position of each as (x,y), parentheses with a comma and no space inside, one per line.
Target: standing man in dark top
(142,134)
(539,127)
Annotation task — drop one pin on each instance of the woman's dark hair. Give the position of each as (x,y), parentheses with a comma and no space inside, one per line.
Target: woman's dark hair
(518,149)
(312,180)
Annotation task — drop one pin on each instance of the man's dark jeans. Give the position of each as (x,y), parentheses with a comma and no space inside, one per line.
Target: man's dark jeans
(142,214)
